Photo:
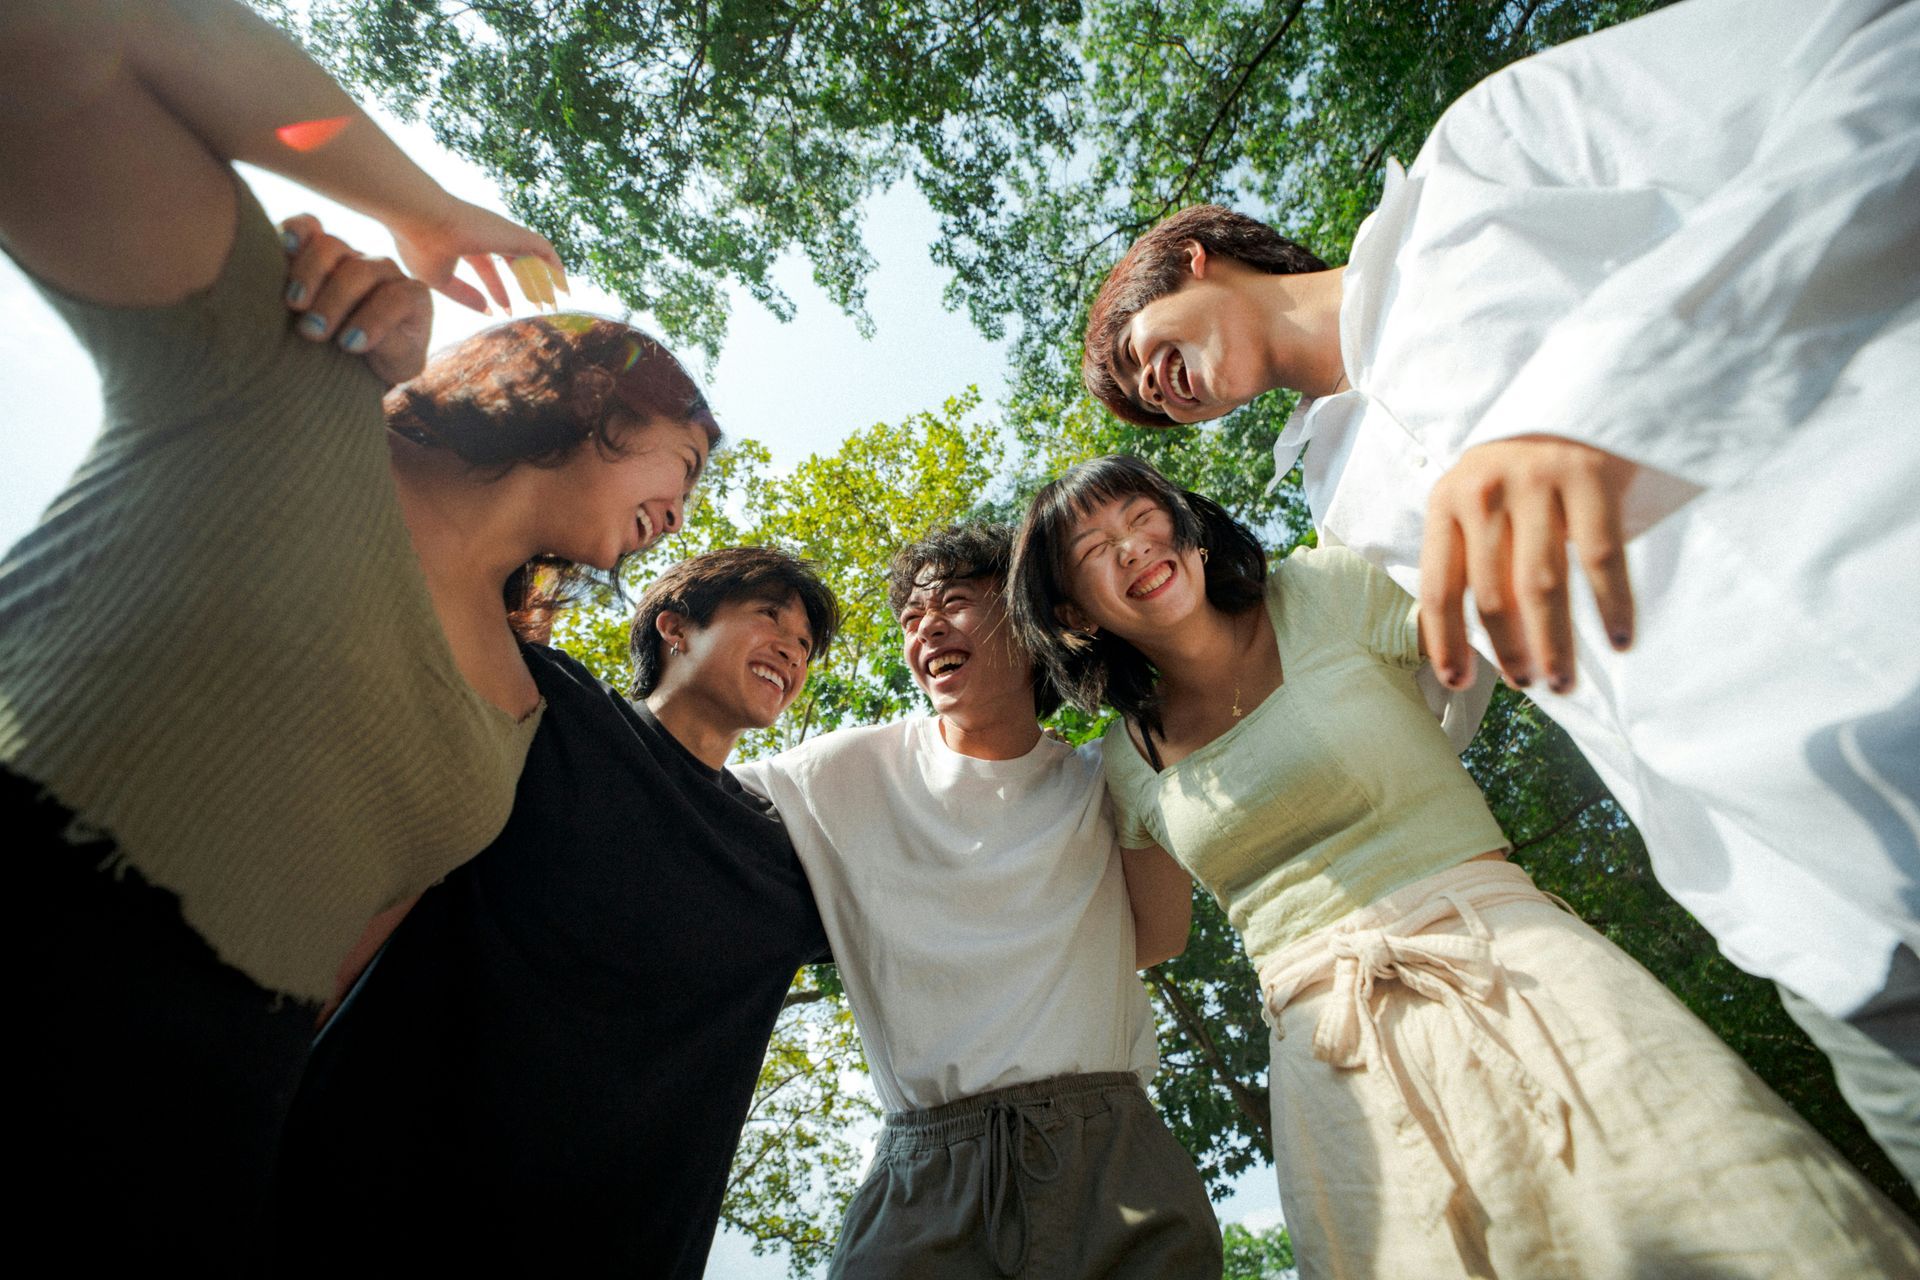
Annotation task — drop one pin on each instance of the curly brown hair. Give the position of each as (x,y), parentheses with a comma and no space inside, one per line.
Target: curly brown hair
(1154,267)
(531,392)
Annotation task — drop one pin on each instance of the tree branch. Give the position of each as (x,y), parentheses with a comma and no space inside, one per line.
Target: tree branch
(1196,1028)
(1226,105)
(1587,802)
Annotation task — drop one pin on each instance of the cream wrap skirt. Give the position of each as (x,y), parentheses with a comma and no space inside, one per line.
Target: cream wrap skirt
(1468,1081)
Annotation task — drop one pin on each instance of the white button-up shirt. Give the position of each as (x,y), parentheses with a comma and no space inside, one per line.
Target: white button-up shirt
(1692,240)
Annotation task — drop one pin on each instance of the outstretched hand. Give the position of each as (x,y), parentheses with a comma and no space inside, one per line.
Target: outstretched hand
(1499,522)
(464,232)
(367,306)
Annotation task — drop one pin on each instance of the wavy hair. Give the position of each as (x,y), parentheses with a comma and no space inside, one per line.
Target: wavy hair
(531,392)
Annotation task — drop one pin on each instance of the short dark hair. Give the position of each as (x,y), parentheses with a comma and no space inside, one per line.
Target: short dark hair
(697,587)
(1154,267)
(963,553)
(1090,670)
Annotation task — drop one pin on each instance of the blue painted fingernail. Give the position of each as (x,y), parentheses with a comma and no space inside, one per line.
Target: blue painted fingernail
(296,293)
(290,242)
(353,341)
(314,325)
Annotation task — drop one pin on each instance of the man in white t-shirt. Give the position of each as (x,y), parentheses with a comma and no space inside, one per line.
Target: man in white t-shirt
(965,867)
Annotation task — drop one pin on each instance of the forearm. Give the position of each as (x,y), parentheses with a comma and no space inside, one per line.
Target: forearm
(228,76)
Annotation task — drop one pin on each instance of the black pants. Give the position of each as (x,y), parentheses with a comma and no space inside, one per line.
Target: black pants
(152,1078)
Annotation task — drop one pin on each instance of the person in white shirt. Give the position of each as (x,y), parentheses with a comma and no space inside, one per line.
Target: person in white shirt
(966,869)
(1654,293)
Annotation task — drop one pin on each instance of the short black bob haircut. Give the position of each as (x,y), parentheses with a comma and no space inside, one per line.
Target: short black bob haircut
(695,588)
(1101,668)
(976,551)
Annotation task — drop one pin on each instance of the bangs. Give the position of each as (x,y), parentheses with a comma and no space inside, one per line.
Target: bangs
(1114,478)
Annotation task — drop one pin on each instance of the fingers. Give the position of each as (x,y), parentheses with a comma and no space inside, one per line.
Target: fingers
(1538,585)
(1443,581)
(1487,533)
(318,256)
(297,230)
(1592,501)
(391,327)
(536,280)
(466,295)
(339,297)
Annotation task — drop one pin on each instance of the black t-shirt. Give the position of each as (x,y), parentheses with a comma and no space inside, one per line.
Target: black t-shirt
(548,1068)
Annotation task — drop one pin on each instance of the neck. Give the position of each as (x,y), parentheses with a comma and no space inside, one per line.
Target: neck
(690,719)
(1000,734)
(1303,316)
(470,532)
(1202,654)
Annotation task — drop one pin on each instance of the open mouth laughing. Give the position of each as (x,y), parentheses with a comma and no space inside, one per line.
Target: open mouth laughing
(944,662)
(770,675)
(1152,581)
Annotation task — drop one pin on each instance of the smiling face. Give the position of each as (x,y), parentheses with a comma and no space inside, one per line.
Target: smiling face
(958,643)
(609,506)
(1125,571)
(1200,351)
(746,664)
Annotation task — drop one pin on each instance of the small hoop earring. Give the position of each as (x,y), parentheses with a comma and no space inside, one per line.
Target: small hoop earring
(1203,555)
(674,649)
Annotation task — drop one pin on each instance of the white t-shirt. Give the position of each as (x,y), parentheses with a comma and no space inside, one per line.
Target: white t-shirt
(977,908)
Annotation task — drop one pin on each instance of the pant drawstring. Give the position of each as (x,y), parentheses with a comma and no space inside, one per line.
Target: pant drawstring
(1008,1124)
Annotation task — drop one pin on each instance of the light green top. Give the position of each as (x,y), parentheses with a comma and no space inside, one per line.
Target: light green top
(1336,790)
(217,647)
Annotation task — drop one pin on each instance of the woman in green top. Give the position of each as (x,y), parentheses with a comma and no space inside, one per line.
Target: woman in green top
(259,672)
(1466,1080)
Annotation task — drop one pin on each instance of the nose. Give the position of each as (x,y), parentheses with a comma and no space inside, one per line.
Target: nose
(1125,546)
(676,514)
(1149,388)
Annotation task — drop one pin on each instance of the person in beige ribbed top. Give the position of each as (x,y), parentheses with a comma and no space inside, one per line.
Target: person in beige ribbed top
(1466,1080)
(259,673)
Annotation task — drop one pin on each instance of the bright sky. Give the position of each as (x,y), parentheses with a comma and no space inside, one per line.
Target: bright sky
(799,388)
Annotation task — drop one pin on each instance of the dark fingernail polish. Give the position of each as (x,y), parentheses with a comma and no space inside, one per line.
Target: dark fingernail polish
(296,293)
(1621,639)
(1450,675)
(314,325)
(1560,683)
(353,341)
(1521,680)
(290,242)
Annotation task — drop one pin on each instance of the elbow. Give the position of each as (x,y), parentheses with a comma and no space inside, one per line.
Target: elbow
(1149,951)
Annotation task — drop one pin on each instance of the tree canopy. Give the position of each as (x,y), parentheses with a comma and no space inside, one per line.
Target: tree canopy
(676,145)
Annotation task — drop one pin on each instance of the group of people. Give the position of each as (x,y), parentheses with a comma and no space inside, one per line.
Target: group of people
(364,928)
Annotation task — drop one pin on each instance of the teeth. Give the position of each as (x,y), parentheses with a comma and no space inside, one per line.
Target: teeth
(646,525)
(1153,583)
(946,662)
(768,674)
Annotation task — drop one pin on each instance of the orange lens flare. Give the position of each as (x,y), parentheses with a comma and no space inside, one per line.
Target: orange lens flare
(309,135)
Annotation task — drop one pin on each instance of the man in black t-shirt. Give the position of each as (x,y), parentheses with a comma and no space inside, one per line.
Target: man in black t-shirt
(548,1067)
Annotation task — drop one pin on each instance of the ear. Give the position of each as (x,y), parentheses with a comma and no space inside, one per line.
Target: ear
(1069,616)
(673,629)
(1196,259)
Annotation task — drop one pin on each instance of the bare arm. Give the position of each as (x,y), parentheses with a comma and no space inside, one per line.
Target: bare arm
(118,119)
(1161,895)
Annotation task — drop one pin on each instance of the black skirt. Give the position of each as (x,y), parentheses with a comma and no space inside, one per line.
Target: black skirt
(153,1079)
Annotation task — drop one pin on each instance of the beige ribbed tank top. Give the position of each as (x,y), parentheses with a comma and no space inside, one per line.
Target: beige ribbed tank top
(217,647)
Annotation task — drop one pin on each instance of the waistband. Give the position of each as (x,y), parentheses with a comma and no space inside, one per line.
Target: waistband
(1085,1094)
